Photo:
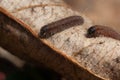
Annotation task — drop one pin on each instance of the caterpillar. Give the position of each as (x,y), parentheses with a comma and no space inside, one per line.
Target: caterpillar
(99,30)
(60,25)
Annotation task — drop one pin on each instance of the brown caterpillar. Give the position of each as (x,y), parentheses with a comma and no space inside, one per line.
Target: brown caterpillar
(99,30)
(60,25)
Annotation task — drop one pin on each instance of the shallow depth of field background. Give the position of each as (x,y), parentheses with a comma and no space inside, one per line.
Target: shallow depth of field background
(103,12)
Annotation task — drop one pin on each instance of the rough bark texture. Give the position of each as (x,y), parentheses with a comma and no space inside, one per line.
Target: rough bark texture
(22,43)
(75,54)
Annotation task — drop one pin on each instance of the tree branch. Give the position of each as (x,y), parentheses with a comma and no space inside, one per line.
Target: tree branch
(19,41)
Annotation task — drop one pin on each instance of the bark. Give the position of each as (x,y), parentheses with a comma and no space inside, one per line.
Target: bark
(19,40)
(75,57)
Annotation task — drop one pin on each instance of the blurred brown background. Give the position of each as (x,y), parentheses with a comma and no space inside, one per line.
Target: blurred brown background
(103,12)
